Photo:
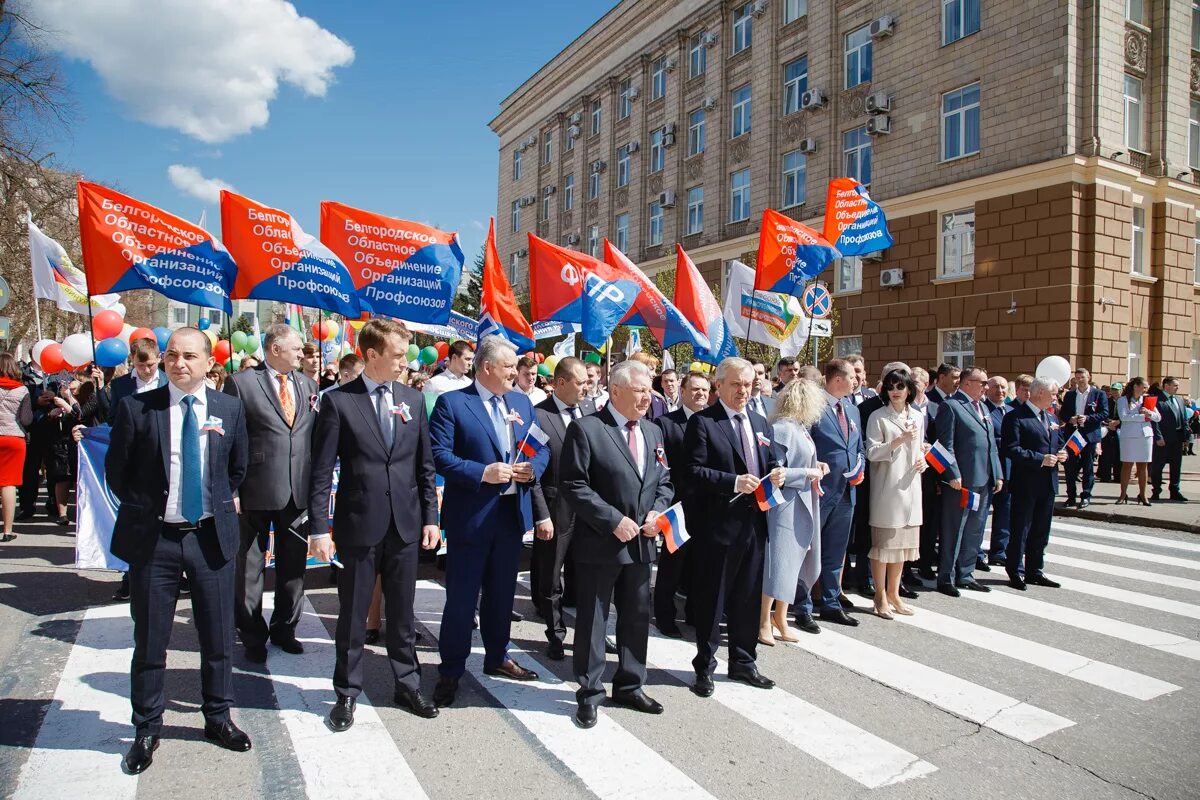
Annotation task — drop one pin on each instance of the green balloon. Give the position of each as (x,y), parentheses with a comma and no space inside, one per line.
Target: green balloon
(238,340)
(413,350)
(429,355)
(543,370)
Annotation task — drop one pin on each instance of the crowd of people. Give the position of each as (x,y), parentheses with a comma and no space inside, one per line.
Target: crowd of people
(794,490)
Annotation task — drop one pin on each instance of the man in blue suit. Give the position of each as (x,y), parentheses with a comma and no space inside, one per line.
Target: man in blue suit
(997,408)
(1033,444)
(145,376)
(964,428)
(838,438)
(477,432)
(1084,409)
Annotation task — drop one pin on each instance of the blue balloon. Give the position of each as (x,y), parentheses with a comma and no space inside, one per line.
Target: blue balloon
(203,323)
(163,335)
(111,352)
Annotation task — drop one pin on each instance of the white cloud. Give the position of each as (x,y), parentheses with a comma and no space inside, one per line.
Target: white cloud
(190,180)
(209,69)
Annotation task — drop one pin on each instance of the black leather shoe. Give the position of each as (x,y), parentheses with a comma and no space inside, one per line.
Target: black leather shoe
(1070,502)
(511,670)
(610,647)
(1156,497)
(555,652)
(185,588)
(982,565)
(372,636)
(998,561)
(948,589)
(228,736)
(25,514)
(906,593)
(141,755)
(1178,498)
(341,716)
(121,595)
(414,702)
(585,716)
(703,687)
(1016,582)
(638,701)
(752,677)
(444,691)
(974,586)
(926,573)
(1085,502)
(1042,580)
(867,590)
(670,630)
(839,617)
(806,623)
(845,602)
(288,644)
(256,653)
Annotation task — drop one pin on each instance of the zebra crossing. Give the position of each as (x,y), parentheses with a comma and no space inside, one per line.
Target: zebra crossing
(1031,672)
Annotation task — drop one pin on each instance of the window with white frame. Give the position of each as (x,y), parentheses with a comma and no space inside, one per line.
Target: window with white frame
(593,185)
(1196,267)
(1195,46)
(1136,357)
(595,118)
(957,346)
(214,317)
(658,79)
(1137,244)
(568,140)
(1194,369)
(697,56)
(568,192)
(623,232)
(741,111)
(846,346)
(516,216)
(623,165)
(739,195)
(858,56)
(695,211)
(960,122)
(743,31)
(1194,135)
(795,171)
(593,242)
(656,224)
(513,260)
(960,18)
(958,244)
(625,99)
(658,154)
(517,165)
(794,10)
(696,132)
(1135,11)
(856,155)
(847,275)
(547,147)
(547,204)
(795,84)
(179,316)
(1133,113)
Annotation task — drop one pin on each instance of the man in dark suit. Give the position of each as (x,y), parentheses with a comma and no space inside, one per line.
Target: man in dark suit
(965,430)
(759,402)
(1172,436)
(1033,444)
(997,408)
(862,392)
(729,453)
(554,517)
(176,456)
(146,376)
(674,569)
(1109,468)
(1084,409)
(486,509)
(280,405)
(945,383)
(615,476)
(386,511)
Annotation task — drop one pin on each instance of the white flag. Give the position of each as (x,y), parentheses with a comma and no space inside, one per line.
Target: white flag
(56,279)
(668,360)
(565,348)
(767,317)
(634,343)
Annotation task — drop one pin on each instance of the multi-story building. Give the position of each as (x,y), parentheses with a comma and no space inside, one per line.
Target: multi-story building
(1037,162)
(174,314)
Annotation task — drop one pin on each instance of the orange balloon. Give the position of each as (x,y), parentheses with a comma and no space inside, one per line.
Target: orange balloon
(222,351)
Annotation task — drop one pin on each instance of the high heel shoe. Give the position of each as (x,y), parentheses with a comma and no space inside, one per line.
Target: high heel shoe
(765,637)
(1143,501)
(782,633)
(1122,501)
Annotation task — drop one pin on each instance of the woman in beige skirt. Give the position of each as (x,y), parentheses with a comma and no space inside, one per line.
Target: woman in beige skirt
(895,437)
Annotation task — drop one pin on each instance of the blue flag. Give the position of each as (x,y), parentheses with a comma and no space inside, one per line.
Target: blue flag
(604,304)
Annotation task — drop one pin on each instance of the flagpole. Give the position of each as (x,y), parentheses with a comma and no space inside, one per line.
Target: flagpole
(37,318)
(37,314)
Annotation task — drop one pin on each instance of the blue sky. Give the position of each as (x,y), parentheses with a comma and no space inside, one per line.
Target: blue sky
(402,130)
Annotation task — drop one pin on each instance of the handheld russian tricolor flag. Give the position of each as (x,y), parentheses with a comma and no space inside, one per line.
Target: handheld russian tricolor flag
(1076,443)
(856,476)
(534,442)
(939,457)
(768,495)
(970,500)
(674,531)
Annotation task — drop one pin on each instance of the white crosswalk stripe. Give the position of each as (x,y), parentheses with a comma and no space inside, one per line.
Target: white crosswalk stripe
(1124,552)
(1141,599)
(1157,578)
(1129,537)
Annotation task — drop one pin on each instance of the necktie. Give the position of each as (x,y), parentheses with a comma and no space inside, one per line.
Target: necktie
(749,454)
(979,411)
(573,412)
(191,493)
(385,414)
(841,415)
(631,429)
(1045,422)
(499,424)
(285,401)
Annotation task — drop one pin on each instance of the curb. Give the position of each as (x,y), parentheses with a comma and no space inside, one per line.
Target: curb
(1128,519)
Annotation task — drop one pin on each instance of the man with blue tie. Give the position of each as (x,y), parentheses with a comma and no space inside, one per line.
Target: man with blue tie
(994,402)
(1084,409)
(486,509)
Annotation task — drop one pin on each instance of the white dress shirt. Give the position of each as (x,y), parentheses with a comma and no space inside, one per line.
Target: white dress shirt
(146,386)
(745,433)
(200,409)
(564,410)
(446,381)
(291,384)
(756,405)
(506,444)
(535,395)
(637,437)
(1080,402)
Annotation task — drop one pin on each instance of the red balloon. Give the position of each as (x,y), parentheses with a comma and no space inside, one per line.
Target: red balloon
(52,360)
(107,324)
(442,349)
(540,358)
(222,351)
(143,333)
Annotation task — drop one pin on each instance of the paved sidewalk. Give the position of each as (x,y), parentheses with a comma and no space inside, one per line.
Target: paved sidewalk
(1166,514)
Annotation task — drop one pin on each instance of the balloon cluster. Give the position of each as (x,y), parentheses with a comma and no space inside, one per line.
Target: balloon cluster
(112,336)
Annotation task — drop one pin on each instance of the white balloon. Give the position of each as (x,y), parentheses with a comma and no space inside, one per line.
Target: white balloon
(39,347)
(1056,368)
(77,349)
(126,332)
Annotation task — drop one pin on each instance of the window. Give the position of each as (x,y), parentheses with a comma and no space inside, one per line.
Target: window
(1194,136)
(1137,258)
(658,154)
(513,259)
(858,56)
(741,111)
(695,216)
(547,148)
(795,168)
(568,139)
(743,32)
(958,244)
(1196,46)
(1135,11)
(1194,368)
(795,83)
(794,10)
(595,118)
(960,122)
(623,165)
(516,216)
(658,79)
(856,155)
(1196,263)
(547,202)
(847,276)
(1133,364)
(959,18)
(593,185)
(1133,113)
(516,165)
(593,241)
(958,347)
(696,132)
(739,196)
(656,224)
(697,56)
(568,193)
(179,316)
(623,232)
(846,346)
(625,100)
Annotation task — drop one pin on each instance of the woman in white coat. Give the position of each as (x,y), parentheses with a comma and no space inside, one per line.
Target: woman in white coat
(1137,437)
(794,526)
(895,437)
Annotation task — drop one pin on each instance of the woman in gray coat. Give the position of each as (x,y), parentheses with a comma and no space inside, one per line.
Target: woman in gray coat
(794,526)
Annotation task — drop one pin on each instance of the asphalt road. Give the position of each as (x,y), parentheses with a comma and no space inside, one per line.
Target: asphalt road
(1090,691)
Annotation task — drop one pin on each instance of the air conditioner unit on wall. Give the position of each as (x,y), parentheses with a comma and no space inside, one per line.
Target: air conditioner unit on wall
(548,190)
(633,146)
(710,103)
(891,278)
(666,199)
(808,145)
(669,64)
(634,93)
(879,126)
(598,166)
(522,252)
(759,8)
(575,118)
(884,26)
(813,99)
(879,103)
(708,38)
(574,131)
(573,238)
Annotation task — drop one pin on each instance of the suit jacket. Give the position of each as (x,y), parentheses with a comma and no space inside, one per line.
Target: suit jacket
(860,399)
(714,460)
(1026,441)
(126,385)
(601,483)
(998,412)
(280,457)
(840,452)
(1172,429)
(1095,408)
(768,405)
(674,428)
(658,407)
(970,440)
(138,463)
(545,491)
(378,485)
(464,443)
(934,394)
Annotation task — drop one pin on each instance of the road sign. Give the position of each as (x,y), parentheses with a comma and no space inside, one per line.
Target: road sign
(5,293)
(821,329)
(817,301)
